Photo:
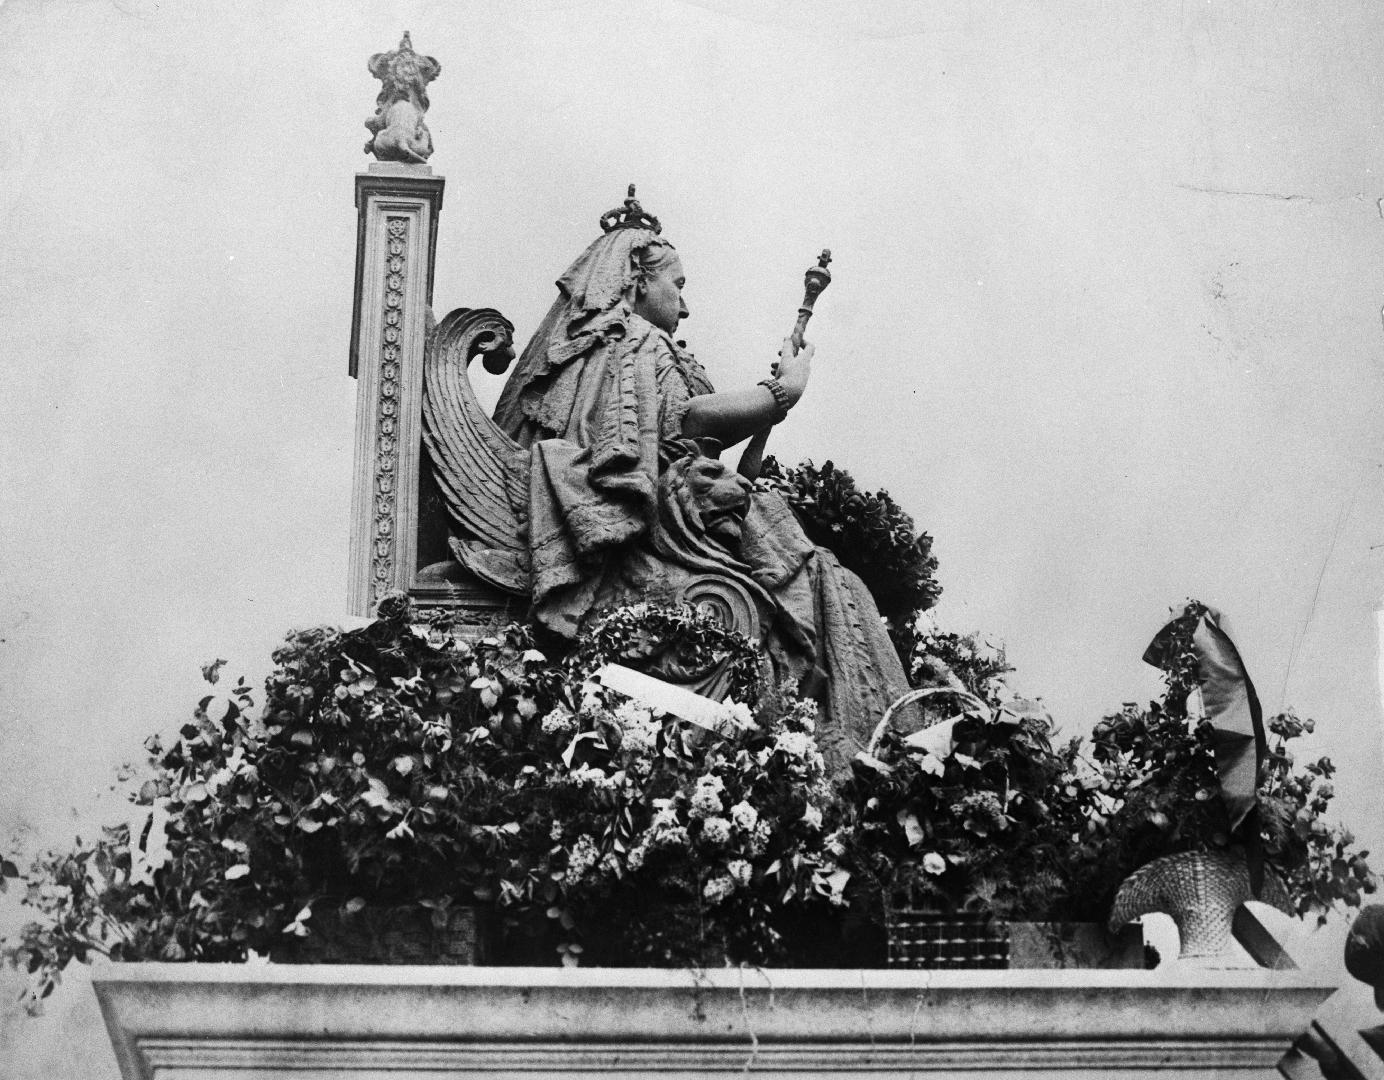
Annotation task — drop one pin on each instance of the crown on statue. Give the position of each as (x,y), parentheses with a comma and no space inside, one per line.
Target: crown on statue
(629,216)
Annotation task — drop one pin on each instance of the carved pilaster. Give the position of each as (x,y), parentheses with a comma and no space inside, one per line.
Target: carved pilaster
(394,262)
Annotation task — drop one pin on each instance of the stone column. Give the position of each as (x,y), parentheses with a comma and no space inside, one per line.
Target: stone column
(395,246)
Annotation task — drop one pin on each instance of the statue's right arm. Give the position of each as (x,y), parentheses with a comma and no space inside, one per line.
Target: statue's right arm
(732,416)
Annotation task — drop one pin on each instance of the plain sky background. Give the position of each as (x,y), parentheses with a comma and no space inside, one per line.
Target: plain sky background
(1105,318)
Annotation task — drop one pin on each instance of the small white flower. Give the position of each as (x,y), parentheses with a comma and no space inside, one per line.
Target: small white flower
(744,815)
(631,712)
(671,837)
(588,776)
(581,859)
(812,816)
(704,803)
(716,830)
(640,732)
(934,864)
(665,817)
(558,722)
(740,871)
(717,889)
(733,716)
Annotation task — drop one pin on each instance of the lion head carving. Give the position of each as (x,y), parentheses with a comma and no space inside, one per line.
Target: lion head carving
(701,503)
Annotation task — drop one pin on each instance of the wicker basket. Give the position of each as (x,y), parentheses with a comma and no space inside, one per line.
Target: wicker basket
(1201,891)
(917,698)
(926,939)
(389,935)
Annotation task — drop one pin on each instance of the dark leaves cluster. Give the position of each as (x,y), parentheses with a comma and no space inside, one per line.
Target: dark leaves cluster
(869,532)
(400,765)
(407,765)
(381,766)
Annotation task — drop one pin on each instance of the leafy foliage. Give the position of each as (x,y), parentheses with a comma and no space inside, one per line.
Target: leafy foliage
(1160,773)
(936,656)
(411,768)
(985,822)
(406,766)
(1164,797)
(870,533)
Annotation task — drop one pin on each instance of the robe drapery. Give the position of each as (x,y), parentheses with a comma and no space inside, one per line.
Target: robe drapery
(596,392)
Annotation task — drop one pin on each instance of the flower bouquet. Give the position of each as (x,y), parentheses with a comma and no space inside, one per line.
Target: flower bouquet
(962,823)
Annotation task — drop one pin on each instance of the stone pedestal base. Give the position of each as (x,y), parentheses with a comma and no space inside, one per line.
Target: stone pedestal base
(189,1021)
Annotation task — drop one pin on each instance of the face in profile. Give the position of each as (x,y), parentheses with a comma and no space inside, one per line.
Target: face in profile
(659,296)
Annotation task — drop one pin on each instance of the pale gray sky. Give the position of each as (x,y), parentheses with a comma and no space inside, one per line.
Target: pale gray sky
(1105,317)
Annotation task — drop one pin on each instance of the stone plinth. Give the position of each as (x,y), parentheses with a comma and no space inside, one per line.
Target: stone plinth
(188,1021)
(1347,1033)
(395,246)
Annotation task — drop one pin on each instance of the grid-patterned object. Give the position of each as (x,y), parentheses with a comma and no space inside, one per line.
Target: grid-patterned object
(925,939)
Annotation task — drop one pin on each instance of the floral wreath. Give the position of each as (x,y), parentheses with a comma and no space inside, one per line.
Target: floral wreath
(640,635)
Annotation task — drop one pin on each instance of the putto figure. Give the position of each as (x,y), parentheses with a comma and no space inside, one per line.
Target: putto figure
(397,129)
(597,482)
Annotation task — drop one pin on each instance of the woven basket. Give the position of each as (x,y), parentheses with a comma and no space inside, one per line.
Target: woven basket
(389,935)
(925,939)
(1201,891)
(917,697)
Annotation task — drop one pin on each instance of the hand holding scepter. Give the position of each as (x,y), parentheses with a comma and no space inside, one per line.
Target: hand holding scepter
(815,282)
(791,357)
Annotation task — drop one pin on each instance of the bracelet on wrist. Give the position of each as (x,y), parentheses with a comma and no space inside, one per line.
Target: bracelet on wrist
(780,396)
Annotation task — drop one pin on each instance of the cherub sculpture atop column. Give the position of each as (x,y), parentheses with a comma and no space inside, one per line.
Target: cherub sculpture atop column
(397,131)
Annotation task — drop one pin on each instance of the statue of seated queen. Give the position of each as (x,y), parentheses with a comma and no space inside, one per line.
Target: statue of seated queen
(598,482)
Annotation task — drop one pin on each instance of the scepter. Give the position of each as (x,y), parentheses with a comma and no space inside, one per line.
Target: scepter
(815,281)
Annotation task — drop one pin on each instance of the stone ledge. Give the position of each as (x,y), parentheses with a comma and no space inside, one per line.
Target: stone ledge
(188,1020)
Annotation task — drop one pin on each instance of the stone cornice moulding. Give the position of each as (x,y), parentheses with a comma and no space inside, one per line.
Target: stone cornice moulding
(194,1020)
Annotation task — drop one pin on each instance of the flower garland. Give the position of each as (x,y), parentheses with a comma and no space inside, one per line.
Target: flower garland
(640,635)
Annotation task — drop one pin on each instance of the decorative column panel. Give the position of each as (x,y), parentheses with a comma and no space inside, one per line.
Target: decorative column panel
(395,247)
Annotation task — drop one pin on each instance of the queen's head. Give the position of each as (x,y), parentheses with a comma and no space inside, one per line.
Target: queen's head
(630,263)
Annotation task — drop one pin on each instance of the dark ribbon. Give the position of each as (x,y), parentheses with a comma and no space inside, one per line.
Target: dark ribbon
(1236,719)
